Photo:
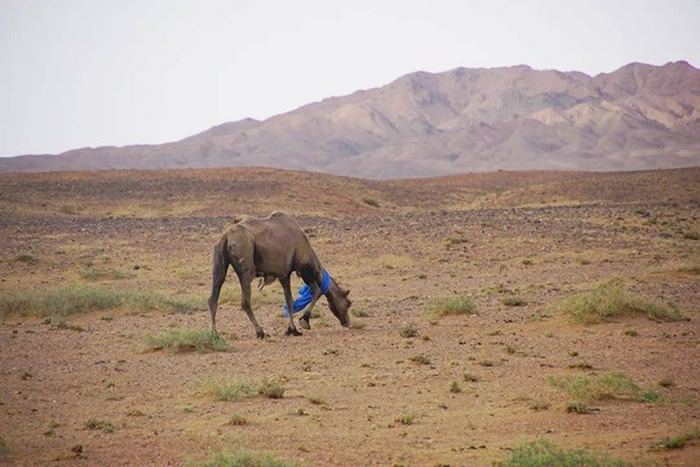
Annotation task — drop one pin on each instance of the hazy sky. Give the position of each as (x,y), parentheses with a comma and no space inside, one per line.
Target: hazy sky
(100,72)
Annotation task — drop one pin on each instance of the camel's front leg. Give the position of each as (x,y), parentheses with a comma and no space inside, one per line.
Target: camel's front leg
(286,285)
(304,320)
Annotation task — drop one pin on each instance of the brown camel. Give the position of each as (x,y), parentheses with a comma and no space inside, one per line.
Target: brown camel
(272,248)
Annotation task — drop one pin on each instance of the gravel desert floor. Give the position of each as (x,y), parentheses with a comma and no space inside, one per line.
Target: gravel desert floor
(464,342)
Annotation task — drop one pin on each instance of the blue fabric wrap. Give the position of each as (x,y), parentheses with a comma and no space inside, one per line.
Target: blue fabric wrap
(306,294)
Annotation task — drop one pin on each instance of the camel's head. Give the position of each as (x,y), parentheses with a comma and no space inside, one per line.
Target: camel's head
(339,303)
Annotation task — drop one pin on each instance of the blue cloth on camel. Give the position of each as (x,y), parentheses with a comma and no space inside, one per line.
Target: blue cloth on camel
(306,294)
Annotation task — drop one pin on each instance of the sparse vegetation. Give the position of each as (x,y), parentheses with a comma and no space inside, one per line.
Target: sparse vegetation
(421,359)
(677,442)
(271,389)
(487,362)
(102,425)
(543,453)
(455,305)
(316,400)
(577,407)
(609,301)
(691,235)
(539,405)
(371,202)
(408,331)
(83,298)
(455,387)
(62,323)
(237,420)
(4,449)
(581,366)
(51,431)
(630,332)
(96,273)
(231,391)
(471,378)
(612,385)
(243,458)
(234,391)
(359,313)
(666,382)
(514,301)
(25,258)
(406,419)
(652,397)
(187,340)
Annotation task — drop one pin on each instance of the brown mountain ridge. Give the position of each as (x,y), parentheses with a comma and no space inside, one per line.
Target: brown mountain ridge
(464,120)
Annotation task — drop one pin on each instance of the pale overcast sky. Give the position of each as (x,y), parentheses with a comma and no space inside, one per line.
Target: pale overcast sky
(78,73)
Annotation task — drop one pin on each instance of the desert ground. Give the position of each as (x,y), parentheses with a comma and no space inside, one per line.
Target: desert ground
(403,385)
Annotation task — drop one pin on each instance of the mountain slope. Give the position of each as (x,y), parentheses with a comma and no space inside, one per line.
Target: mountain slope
(422,124)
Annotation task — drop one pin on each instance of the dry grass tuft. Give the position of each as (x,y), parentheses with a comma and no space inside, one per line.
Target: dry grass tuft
(608,301)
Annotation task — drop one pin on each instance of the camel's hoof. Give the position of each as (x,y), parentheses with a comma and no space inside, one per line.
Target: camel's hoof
(292,332)
(304,323)
(261,334)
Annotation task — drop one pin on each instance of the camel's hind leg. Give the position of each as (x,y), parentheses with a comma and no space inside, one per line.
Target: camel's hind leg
(219,269)
(245,278)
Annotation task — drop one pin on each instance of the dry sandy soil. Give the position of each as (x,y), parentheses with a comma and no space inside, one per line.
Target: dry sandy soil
(397,245)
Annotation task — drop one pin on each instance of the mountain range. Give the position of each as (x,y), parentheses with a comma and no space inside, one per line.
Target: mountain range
(464,120)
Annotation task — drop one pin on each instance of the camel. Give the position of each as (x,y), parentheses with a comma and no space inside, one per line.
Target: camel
(273,248)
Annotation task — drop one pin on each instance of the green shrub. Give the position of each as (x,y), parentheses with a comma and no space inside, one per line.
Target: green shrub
(186,340)
(577,407)
(243,458)
(408,331)
(455,305)
(677,442)
(609,301)
(613,385)
(539,405)
(406,419)
(271,389)
(231,391)
(542,453)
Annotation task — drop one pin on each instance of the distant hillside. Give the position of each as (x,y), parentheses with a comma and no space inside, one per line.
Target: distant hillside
(232,191)
(464,120)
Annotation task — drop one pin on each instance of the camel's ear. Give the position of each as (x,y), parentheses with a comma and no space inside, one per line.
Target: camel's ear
(345,292)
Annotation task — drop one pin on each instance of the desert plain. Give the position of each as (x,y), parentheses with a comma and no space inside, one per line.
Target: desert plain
(96,266)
